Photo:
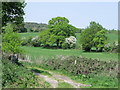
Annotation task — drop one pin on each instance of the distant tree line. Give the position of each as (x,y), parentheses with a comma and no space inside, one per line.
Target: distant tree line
(35,27)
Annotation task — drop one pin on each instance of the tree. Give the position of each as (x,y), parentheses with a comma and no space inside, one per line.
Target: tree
(100,40)
(57,20)
(88,35)
(59,29)
(13,12)
(11,42)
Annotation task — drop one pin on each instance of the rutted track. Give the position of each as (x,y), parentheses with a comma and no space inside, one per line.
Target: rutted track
(56,78)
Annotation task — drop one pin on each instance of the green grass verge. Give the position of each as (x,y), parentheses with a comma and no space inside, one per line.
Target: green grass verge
(64,85)
(28,34)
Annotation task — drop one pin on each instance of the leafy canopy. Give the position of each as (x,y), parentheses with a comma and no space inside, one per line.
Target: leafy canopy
(13,12)
(59,29)
(11,40)
(93,36)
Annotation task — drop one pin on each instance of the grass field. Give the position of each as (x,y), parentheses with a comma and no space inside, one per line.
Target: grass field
(112,37)
(38,52)
(28,34)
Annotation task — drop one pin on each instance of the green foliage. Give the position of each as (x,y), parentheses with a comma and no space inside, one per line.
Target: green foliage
(90,36)
(12,12)
(100,40)
(59,29)
(57,20)
(26,41)
(15,76)
(45,38)
(36,41)
(11,40)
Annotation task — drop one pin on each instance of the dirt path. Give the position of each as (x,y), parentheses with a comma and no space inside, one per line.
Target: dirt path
(69,81)
(51,81)
(56,78)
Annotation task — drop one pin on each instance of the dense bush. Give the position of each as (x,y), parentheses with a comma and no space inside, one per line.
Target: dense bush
(69,43)
(31,41)
(36,41)
(114,47)
(15,76)
(93,36)
(11,42)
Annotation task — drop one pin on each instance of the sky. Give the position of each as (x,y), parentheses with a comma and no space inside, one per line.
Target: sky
(80,14)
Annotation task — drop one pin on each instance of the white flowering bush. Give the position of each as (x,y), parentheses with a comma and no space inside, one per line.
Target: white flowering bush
(35,41)
(112,47)
(70,42)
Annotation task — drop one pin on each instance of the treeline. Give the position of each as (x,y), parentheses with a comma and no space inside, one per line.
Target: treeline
(38,27)
(35,27)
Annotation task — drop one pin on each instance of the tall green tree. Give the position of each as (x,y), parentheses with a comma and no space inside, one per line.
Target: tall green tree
(59,29)
(89,34)
(57,21)
(100,40)
(13,12)
(11,42)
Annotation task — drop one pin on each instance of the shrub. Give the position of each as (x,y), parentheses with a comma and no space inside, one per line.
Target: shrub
(93,36)
(11,42)
(107,47)
(26,41)
(69,42)
(35,41)
(15,76)
(100,40)
(114,47)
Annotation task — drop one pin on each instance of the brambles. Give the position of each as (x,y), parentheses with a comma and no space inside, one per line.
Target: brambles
(81,65)
(15,76)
